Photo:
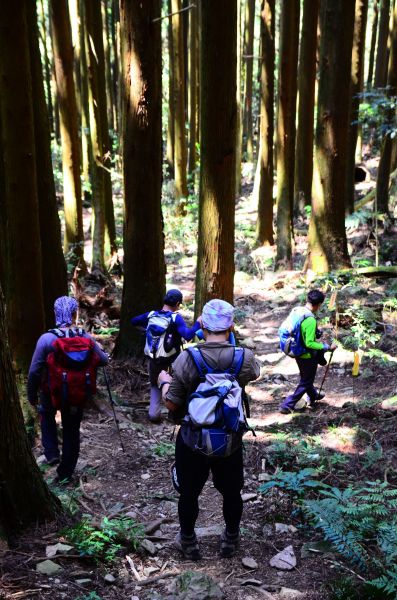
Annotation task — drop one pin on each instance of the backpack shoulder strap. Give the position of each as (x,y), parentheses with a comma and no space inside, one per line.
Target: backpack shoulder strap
(58,332)
(237,362)
(199,361)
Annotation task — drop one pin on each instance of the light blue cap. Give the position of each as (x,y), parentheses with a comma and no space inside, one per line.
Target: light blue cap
(217,315)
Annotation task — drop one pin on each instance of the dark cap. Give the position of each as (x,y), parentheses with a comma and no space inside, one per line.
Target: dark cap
(173,297)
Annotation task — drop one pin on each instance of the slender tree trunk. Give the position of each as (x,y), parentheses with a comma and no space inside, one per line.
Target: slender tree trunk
(53,265)
(19,203)
(108,65)
(215,260)
(103,218)
(24,496)
(357,76)
(264,229)
(306,95)
(180,151)
(287,87)
(47,68)
(193,100)
(114,21)
(249,62)
(238,104)
(171,98)
(371,60)
(327,236)
(144,267)
(381,54)
(382,181)
(63,55)
(392,79)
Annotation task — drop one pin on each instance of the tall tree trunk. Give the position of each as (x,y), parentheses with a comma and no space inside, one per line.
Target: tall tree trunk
(371,60)
(24,496)
(86,144)
(215,260)
(47,68)
(287,86)
(171,98)
(53,265)
(180,152)
(327,236)
(249,62)
(306,94)
(103,218)
(357,76)
(108,65)
(264,229)
(392,69)
(193,89)
(144,267)
(238,103)
(114,23)
(19,203)
(381,54)
(63,55)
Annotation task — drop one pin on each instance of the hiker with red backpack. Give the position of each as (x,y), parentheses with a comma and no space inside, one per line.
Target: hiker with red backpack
(205,393)
(298,338)
(165,330)
(63,373)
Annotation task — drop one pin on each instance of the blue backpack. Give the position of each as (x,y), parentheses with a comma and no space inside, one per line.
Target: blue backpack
(215,420)
(290,334)
(160,334)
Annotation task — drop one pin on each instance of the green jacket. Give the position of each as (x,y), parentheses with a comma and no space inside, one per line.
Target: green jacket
(308,329)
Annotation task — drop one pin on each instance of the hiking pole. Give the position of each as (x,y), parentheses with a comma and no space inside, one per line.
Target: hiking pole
(326,372)
(112,405)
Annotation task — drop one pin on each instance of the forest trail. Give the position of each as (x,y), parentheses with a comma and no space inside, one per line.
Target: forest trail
(137,484)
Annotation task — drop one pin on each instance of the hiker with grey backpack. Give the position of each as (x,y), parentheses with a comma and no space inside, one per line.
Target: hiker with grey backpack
(165,329)
(298,339)
(205,395)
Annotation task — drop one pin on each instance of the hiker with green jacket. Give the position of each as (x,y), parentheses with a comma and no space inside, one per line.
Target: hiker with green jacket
(308,361)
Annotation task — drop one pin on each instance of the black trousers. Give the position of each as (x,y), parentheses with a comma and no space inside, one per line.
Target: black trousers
(193,469)
(307,369)
(71,419)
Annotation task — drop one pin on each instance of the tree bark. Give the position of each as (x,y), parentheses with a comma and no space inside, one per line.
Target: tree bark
(215,260)
(19,203)
(114,21)
(327,236)
(24,496)
(171,100)
(264,230)
(287,88)
(63,56)
(249,22)
(382,54)
(103,219)
(306,94)
(178,76)
(144,267)
(238,104)
(193,88)
(47,68)
(357,76)
(53,267)
(392,69)
(371,60)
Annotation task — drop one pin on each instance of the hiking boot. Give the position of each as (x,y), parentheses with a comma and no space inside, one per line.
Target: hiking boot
(285,411)
(188,545)
(53,461)
(319,397)
(155,420)
(229,544)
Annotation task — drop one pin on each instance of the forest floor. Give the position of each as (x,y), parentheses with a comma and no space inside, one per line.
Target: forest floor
(351,437)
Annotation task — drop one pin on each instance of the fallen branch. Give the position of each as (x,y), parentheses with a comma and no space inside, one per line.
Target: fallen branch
(174,13)
(133,569)
(158,577)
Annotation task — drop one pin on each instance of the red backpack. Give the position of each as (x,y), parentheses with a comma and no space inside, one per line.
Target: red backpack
(72,368)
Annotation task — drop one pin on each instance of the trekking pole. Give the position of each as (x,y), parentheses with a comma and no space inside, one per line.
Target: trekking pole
(326,371)
(112,405)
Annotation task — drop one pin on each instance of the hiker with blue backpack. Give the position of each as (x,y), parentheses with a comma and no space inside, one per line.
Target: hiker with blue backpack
(165,330)
(205,395)
(63,373)
(298,338)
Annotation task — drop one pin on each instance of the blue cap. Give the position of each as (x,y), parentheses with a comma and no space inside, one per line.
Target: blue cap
(172,297)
